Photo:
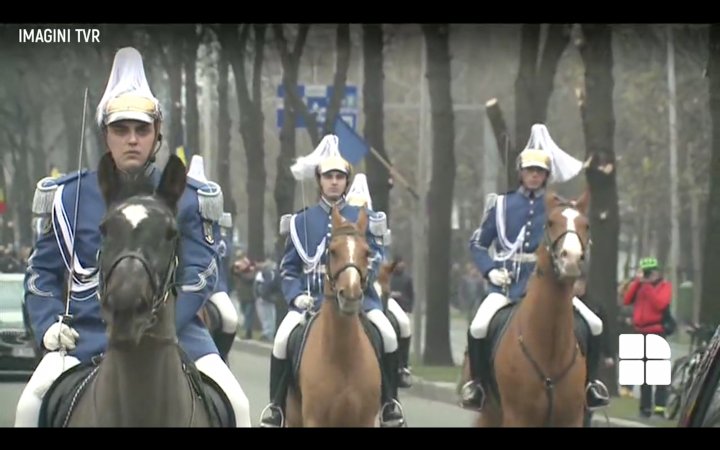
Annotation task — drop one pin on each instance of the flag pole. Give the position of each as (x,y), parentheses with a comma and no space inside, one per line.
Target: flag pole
(394,172)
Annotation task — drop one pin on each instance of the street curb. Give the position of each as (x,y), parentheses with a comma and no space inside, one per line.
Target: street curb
(444,392)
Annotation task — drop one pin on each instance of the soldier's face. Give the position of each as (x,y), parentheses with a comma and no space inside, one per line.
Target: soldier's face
(533,177)
(130,142)
(333,184)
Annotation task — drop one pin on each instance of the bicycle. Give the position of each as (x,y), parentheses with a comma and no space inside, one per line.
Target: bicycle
(684,369)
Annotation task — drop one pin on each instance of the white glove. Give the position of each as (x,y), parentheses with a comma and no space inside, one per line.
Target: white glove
(304,301)
(499,277)
(58,334)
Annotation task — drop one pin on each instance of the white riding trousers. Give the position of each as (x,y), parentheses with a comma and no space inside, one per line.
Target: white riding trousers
(494,301)
(402,318)
(481,322)
(48,370)
(398,312)
(228,313)
(387,332)
(291,320)
(214,367)
(593,321)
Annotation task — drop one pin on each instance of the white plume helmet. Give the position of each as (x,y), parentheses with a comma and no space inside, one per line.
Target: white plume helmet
(359,192)
(563,166)
(197,168)
(127,94)
(327,152)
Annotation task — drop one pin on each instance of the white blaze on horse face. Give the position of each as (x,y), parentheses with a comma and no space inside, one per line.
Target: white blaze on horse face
(135,214)
(354,275)
(571,243)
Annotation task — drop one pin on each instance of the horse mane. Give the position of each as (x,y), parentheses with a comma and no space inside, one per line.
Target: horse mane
(344,228)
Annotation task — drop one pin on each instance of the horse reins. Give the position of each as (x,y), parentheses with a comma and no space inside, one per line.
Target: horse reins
(160,292)
(333,277)
(550,383)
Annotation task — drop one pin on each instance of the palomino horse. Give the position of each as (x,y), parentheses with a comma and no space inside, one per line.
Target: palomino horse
(339,376)
(143,378)
(539,370)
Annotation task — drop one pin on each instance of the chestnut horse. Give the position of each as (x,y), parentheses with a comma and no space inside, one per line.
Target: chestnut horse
(339,377)
(539,369)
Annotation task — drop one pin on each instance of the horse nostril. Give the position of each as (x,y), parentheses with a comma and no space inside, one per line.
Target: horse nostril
(341,292)
(563,254)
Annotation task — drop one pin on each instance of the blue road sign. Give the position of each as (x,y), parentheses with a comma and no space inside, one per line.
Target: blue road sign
(317,98)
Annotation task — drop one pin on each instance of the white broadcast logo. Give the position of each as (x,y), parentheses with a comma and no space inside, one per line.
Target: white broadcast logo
(643,359)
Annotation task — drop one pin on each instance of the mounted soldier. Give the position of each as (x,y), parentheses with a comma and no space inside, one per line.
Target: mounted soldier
(129,117)
(359,195)
(225,337)
(303,268)
(514,222)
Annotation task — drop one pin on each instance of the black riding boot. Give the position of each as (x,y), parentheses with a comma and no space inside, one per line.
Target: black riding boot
(278,391)
(405,377)
(224,342)
(391,412)
(472,393)
(596,393)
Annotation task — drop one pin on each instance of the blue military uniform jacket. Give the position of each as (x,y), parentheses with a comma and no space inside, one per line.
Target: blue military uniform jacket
(515,224)
(47,270)
(303,264)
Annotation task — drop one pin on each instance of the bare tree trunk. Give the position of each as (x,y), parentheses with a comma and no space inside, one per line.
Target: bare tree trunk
(170,54)
(342,52)
(440,196)
(710,308)
(284,191)
(534,84)
(599,126)
(191,41)
(373,93)
(252,131)
(223,160)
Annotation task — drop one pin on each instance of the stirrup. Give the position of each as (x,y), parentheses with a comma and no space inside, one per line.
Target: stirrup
(401,422)
(271,407)
(469,393)
(600,392)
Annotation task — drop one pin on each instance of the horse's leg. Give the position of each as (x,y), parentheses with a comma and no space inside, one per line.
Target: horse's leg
(293,410)
(491,415)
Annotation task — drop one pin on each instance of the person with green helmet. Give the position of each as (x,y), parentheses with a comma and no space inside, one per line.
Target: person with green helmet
(650,294)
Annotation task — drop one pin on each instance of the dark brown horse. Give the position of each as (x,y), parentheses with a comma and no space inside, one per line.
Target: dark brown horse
(339,379)
(141,380)
(539,368)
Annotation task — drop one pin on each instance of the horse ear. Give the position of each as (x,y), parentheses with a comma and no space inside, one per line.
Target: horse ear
(362,220)
(172,182)
(551,201)
(108,178)
(583,202)
(336,218)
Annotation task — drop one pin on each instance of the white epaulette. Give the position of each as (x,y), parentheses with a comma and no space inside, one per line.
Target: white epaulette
(46,188)
(285,224)
(490,201)
(210,198)
(378,223)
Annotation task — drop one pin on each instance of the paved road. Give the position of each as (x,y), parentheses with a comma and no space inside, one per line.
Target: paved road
(253,372)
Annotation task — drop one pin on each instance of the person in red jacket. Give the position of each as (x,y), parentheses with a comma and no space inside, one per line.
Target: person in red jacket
(650,294)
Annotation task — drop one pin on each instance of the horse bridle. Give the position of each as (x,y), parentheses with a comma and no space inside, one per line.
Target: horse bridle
(333,277)
(160,292)
(551,244)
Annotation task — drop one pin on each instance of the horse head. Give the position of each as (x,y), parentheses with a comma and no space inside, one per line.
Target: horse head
(139,250)
(567,234)
(347,262)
